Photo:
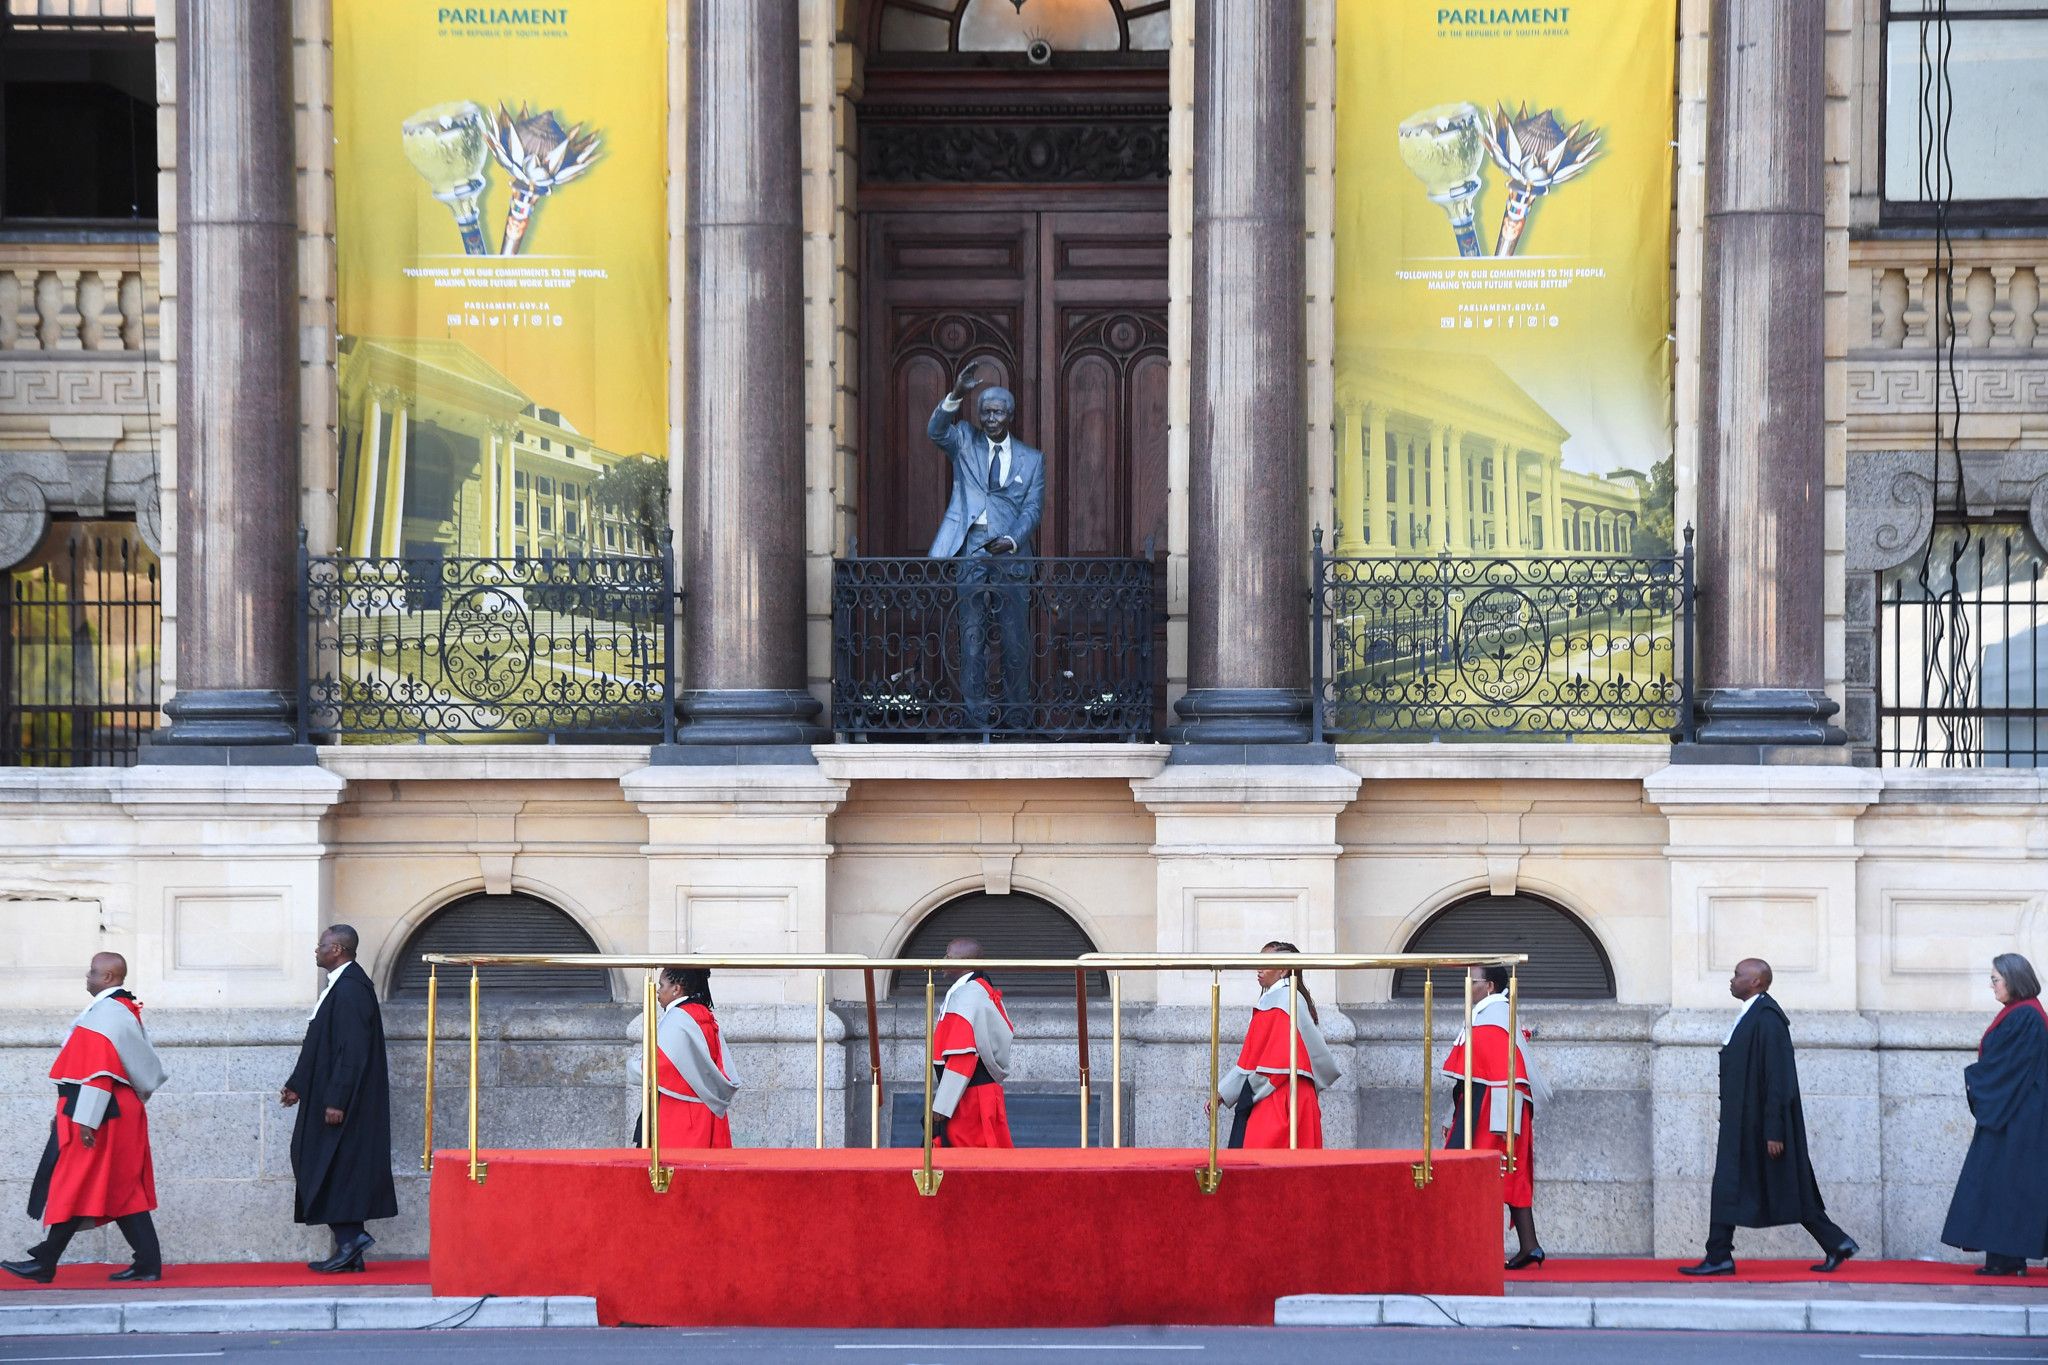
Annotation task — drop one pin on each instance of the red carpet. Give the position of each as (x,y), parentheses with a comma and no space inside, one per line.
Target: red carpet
(1619,1270)
(230,1275)
(1033,1238)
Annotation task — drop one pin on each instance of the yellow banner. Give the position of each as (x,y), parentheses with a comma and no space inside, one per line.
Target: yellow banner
(1503,277)
(500,177)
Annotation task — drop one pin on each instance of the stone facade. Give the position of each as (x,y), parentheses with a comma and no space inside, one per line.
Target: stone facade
(1880,895)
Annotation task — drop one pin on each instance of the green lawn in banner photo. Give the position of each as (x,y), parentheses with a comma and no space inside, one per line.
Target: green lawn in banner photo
(1588,679)
(403,671)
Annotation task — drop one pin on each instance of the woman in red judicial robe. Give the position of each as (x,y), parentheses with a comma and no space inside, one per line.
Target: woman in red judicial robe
(1256,1087)
(1490,1114)
(693,1073)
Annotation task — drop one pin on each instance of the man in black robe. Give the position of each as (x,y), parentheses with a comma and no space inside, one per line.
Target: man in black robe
(1763,1177)
(341,1143)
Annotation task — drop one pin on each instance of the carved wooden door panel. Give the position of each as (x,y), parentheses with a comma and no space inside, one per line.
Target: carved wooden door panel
(941,289)
(1068,310)
(1102,348)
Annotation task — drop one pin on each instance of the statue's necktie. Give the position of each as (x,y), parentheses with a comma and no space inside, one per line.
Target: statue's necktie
(995,468)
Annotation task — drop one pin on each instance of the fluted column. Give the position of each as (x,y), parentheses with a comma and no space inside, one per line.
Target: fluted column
(1350,537)
(1376,474)
(238,390)
(1512,540)
(1248,615)
(1457,529)
(1762,532)
(743,503)
(1553,521)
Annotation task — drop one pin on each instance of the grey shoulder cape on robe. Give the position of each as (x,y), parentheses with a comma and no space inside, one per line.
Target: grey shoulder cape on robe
(344,1170)
(1759,1105)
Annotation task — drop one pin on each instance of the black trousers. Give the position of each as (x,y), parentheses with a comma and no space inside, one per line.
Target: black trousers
(138,1228)
(345,1231)
(1721,1238)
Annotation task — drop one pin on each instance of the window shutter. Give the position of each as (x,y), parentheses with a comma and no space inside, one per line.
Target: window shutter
(1015,925)
(1565,961)
(504,924)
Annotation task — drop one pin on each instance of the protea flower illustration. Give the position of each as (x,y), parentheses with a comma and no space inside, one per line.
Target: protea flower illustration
(540,156)
(1537,154)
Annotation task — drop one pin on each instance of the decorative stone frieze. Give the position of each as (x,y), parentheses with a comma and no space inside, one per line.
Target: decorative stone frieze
(34,484)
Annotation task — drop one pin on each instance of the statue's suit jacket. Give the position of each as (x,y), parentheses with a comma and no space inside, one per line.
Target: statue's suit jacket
(1013,510)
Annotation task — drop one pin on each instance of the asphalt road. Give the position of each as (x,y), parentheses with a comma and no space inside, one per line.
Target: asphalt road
(1126,1346)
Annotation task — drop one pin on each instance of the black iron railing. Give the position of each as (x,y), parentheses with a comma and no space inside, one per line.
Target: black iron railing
(81,627)
(1963,652)
(993,646)
(1420,647)
(426,647)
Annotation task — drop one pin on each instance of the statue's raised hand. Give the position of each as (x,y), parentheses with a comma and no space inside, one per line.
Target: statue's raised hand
(966,383)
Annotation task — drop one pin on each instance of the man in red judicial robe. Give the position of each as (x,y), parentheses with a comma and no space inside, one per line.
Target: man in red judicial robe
(1490,1110)
(971,1053)
(96,1168)
(692,1073)
(1256,1087)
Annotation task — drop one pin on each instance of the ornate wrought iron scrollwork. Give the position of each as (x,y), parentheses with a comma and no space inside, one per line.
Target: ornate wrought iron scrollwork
(1426,648)
(449,648)
(988,647)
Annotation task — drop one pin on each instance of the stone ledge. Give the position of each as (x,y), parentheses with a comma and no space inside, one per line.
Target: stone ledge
(1507,762)
(1810,1028)
(1554,1022)
(1703,1314)
(294,1315)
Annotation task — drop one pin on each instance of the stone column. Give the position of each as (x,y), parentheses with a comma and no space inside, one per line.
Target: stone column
(487,495)
(1248,617)
(743,500)
(392,542)
(238,390)
(1761,376)
(369,450)
(1376,473)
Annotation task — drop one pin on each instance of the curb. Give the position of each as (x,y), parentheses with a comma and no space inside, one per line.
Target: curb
(292,1315)
(1666,1315)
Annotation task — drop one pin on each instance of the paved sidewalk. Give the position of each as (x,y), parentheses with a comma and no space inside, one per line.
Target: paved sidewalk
(1800,1311)
(2030,1292)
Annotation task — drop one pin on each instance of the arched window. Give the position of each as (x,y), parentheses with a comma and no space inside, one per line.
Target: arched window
(1015,925)
(1565,960)
(502,924)
(1096,27)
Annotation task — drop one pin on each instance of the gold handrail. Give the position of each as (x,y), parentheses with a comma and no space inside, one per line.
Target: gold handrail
(658,1175)
(1423,1172)
(927,1177)
(1513,1038)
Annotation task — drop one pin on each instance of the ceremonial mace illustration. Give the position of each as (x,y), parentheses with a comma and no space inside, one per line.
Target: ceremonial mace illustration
(446,144)
(1537,154)
(540,156)
(1444,146)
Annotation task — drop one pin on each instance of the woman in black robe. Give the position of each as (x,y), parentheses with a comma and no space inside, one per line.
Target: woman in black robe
(2001,1201)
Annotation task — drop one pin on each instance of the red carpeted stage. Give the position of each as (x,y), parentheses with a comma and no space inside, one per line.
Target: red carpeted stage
(1044,1238)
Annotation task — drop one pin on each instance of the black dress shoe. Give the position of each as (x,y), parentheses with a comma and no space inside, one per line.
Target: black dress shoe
(1709,1268)
(347,1258)
(1835,1259)
(30,1270)
(2018,1270)
(1523,1259)
(136,1272)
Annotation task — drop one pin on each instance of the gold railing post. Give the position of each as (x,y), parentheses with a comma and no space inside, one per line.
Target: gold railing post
(477,1168)
(928,1179)
(1293,1079)
(433,1001)
(874,1065)
(1513,1038)
(1081,1028)
(658,1175)
(820,1141)
(1116,1059)
(1469,1044)
(1211,1176)
(1423,1174)
(647,1081)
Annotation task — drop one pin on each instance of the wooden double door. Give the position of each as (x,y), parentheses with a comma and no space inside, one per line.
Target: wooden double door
(1067,309)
